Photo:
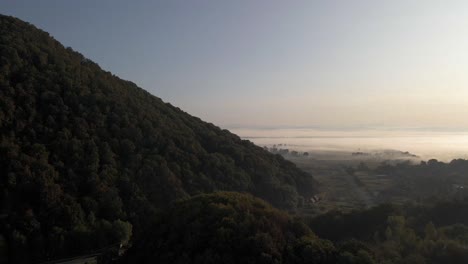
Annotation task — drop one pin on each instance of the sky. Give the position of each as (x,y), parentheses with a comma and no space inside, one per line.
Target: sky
(340,64)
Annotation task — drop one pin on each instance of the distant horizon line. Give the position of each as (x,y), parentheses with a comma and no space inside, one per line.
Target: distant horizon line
(349,128)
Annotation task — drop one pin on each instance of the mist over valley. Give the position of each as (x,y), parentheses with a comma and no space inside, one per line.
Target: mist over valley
(424,143)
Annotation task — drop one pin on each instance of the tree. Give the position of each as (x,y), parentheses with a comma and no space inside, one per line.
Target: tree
(430,232)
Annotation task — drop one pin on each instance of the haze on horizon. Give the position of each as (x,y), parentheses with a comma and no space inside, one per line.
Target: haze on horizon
(279,63)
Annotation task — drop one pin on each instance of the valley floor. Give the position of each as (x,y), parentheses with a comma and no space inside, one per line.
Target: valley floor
(338,189)
(344,186)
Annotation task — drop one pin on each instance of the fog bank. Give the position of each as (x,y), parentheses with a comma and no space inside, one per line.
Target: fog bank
(442,145)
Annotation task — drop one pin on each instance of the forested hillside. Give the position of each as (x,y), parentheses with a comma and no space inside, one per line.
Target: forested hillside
(87,159)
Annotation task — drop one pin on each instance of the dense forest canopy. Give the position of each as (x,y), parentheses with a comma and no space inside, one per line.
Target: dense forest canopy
(238,228)
(229,228)
(87,159)
(406,234)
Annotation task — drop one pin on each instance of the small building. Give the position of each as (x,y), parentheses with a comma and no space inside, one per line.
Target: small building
(314,199)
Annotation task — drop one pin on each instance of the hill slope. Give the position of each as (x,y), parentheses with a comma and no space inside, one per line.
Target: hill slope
(87,158)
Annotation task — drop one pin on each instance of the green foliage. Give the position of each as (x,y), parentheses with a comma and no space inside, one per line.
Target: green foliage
(82,151)
(229,228)
(424,182)
(339,226)
(409,234)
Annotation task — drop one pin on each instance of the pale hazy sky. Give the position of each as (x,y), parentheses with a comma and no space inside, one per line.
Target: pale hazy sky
(279,63)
